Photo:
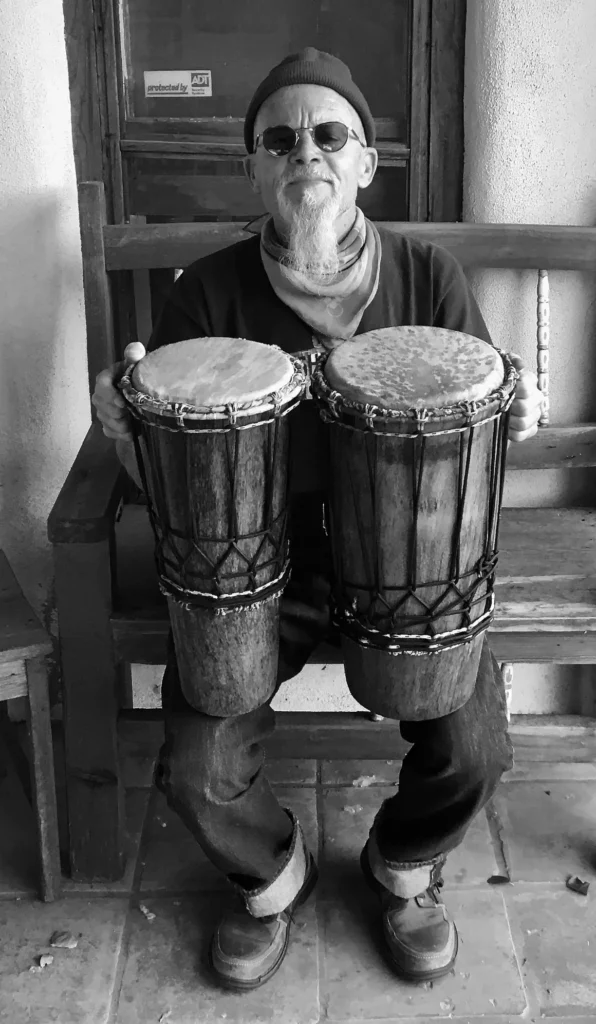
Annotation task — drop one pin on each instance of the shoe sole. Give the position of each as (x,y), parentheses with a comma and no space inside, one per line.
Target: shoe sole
(430,975)
(235,985)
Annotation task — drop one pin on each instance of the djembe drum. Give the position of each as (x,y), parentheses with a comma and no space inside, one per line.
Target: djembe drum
(417,425)
(212,447)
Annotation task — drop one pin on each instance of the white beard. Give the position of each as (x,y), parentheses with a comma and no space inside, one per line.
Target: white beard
(312,243)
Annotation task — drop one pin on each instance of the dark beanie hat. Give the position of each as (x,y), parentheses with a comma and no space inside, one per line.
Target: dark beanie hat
(310,67)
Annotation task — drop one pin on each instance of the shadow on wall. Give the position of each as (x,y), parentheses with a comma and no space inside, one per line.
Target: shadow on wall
(44,404)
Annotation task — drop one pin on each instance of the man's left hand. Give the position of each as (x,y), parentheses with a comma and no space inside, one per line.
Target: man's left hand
(527,404)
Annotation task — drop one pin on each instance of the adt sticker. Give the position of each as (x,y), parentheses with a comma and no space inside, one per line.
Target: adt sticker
(177,83)
(200,83)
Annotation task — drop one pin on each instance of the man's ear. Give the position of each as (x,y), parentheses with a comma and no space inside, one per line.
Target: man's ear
(249,170)
(368,167)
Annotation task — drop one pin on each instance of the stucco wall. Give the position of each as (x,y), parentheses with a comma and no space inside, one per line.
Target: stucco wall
(530,158)
(43,365)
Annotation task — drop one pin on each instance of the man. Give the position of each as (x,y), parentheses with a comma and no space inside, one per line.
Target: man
(321,272)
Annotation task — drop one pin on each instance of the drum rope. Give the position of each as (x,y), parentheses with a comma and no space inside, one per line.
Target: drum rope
(187,573)
(460,593)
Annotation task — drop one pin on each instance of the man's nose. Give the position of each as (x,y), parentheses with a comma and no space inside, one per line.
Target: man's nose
(305,152)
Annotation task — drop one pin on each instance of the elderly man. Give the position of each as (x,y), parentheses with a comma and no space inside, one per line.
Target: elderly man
(319,272)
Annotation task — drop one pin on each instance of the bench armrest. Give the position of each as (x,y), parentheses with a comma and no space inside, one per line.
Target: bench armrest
(85,509)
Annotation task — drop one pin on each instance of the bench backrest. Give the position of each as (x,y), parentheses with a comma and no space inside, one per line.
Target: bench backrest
(124,248)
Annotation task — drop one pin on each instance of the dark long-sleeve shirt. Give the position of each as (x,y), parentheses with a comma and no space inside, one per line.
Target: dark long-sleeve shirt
(228,294)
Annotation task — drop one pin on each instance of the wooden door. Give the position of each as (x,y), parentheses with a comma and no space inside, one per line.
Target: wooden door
(179,77)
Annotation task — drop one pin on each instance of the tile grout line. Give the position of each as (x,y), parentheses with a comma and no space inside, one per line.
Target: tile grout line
(532,1010)
(318,797)
(495,826)
(133,900)
(121,961)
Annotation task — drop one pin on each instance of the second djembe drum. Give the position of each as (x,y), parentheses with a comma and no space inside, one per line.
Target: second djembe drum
(212,447)
(417,425)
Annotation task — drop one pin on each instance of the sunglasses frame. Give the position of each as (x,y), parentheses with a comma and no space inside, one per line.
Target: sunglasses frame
(350,131)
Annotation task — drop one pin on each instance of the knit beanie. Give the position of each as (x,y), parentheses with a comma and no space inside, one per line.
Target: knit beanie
(310,67)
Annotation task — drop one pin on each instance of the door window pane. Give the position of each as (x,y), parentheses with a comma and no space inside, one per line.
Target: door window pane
(239,42)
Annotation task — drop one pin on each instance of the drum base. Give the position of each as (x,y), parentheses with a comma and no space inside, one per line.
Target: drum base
(408,687)
(227,663)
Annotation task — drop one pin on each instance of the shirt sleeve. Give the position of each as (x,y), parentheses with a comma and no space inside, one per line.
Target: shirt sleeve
(184,314)
(457,309)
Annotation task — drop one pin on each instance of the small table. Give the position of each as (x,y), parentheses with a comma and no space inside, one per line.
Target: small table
(24,645)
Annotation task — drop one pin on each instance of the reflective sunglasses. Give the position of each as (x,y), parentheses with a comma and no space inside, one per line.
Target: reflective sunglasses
(330,137)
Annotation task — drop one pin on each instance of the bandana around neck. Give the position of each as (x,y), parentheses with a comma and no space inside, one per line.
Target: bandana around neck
(333,309)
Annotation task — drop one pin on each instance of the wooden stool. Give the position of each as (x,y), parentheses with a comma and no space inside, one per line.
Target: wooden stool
(24,645)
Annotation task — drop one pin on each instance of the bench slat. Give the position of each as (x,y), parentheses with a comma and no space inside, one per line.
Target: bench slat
(556,448)
(512,246)
(546,588)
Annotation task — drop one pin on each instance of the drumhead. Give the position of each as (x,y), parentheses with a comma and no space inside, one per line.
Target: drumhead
(414,367)
(213,372)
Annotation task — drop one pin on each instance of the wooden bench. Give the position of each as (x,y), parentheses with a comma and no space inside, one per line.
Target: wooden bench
(110,611)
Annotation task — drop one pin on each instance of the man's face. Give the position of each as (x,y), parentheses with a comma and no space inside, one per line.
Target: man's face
(308,175)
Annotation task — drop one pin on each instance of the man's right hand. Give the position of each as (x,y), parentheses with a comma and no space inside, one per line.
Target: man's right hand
(111,407)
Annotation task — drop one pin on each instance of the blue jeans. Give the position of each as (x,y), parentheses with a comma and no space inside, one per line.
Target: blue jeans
(212,773)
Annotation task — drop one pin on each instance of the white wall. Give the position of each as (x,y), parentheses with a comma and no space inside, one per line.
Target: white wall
(530,158)
(43,363)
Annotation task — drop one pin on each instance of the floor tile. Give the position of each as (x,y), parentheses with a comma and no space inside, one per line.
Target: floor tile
(549,829)
(136,802)
(555,935)
(282,772)
(358,984)
(551,771)
(347,817)
(173,861)
(167,970)
(360,774)
(77,987)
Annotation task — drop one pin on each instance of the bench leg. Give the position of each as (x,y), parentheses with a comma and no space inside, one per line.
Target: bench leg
(42,777)
(95,795)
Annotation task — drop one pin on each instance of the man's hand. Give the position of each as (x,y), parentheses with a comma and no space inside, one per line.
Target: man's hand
(110,405)
(527,404)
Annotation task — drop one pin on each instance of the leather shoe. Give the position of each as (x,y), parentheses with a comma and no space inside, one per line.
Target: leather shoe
(246,951)
(421,939)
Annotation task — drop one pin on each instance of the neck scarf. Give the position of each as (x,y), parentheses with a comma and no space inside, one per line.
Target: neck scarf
(334,308)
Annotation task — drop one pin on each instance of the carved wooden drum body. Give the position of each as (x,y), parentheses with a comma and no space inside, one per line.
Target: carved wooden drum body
(417,426)
(212,444)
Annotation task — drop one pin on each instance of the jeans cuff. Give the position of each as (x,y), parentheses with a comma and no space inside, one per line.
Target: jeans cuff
(406,878)
(275,896)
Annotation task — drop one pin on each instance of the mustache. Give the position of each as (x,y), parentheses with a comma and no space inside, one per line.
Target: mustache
(305,175)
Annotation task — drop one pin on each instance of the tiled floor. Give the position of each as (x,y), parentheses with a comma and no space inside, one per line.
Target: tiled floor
(527,948)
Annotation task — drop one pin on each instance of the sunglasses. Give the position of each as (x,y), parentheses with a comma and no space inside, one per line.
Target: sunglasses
(330,137)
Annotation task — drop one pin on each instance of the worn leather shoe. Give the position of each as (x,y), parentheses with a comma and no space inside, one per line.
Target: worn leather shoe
(246,951)
(420,938)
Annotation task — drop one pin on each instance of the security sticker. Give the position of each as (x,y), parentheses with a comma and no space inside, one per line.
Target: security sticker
(177,83)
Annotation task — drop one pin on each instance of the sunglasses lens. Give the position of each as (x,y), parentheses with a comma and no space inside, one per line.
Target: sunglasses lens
(279,140)
(331,136)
